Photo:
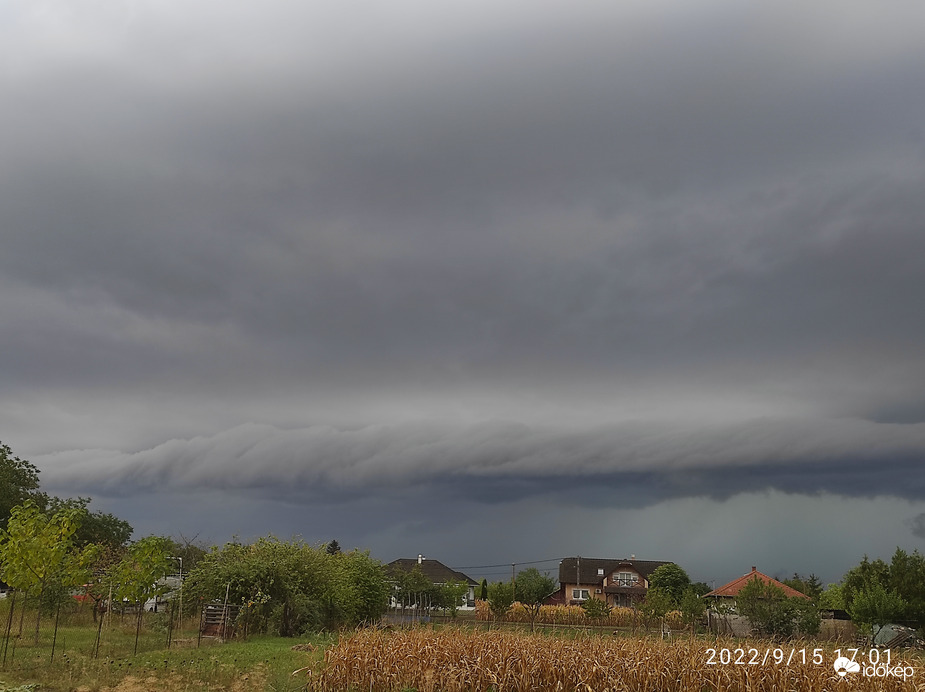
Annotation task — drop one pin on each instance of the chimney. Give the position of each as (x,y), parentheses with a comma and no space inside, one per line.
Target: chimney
(754,569)
(420,558)
(632,557)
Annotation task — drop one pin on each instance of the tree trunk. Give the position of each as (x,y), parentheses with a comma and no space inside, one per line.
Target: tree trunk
(22,613)
(54,639)
(141,611)
(99,632)
(38,614)
(9,627)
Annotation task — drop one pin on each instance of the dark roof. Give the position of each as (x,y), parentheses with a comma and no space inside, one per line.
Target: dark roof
(589,566)
(436,571)
(731,590)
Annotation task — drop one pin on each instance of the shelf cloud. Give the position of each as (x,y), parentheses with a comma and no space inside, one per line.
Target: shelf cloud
(848,457)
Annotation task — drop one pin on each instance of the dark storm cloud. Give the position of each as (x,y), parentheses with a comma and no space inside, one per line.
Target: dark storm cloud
(680,246)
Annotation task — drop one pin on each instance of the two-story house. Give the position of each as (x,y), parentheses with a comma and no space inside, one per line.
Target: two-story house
(619,582)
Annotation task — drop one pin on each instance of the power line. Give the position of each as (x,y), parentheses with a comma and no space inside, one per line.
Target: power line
(492,574)
(508,564)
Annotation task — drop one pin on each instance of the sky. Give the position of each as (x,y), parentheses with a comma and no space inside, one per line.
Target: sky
(489,282)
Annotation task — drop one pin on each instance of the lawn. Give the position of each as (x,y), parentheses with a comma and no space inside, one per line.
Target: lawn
(258,664)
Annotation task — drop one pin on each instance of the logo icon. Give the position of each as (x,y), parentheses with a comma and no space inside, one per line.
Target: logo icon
(843,666)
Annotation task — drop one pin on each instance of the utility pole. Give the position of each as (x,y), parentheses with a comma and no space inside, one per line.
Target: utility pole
(578,574)
(180,617)
(513,583)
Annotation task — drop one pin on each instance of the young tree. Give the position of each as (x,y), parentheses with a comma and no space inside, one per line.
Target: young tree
(807,617)
(671,579)
(865,574)
(833,598)
(907,578)
(414,589)
(656,605)
(138,577)
(766,608)
(771,612)
(875,606)
(692,608)
(531,589)
(500,599)
(36,552)
(333,547)
(450,595)
(483,590)
(723,609)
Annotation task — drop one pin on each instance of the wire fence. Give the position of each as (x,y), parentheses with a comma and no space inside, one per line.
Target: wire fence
(35,634)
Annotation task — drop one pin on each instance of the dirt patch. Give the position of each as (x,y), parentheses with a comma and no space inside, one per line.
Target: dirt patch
(131,683)
(250,681)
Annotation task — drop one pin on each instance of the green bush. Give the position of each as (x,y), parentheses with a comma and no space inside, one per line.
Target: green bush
(596,609)
(289,587)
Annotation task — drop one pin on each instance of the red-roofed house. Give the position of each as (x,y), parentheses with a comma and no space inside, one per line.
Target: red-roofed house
(724,619)
(732,589)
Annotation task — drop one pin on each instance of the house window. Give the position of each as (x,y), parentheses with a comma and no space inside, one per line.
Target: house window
(600,572)
(580,594)
(626,579)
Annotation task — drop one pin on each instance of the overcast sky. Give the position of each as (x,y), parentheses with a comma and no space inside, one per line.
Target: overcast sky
(491,282)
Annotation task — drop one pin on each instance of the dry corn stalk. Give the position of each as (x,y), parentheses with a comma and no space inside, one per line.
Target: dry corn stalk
(457,660)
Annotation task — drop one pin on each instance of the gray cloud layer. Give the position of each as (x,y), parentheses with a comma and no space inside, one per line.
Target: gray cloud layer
(850,457)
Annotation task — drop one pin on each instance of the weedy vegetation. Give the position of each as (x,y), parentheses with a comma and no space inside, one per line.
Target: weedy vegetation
(573,615)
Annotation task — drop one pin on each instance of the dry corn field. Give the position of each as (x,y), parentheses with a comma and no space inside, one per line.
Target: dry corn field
(455,660)
(575,615)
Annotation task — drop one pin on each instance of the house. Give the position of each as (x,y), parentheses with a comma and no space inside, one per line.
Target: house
(722,616)
(437,573)
(730,591)
(619,582)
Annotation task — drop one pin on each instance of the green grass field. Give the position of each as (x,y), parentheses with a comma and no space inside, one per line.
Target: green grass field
(260,663)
